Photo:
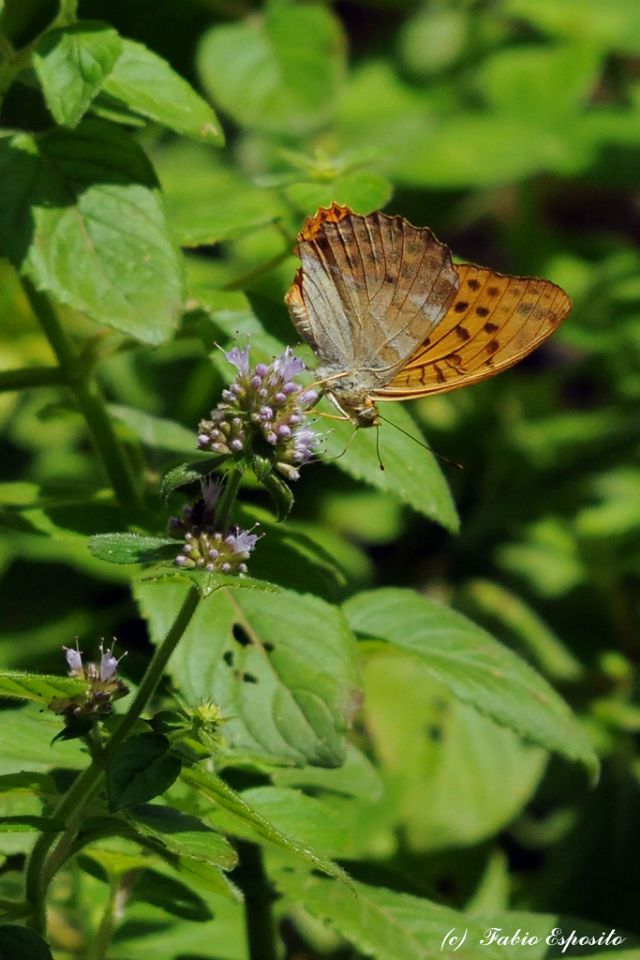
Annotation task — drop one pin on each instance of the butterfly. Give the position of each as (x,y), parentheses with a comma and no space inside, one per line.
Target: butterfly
(391,317)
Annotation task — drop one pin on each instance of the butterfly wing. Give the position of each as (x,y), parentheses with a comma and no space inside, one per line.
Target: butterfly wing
(369,291)
(494,321)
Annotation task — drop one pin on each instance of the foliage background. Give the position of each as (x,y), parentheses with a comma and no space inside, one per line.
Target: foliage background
(512,128)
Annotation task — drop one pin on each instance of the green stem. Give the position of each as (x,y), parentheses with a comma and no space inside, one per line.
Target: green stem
(90,401)
(258,898)
(68,810)
(43,866)
(224,506)
(114,910)
(28,377)
(155,670)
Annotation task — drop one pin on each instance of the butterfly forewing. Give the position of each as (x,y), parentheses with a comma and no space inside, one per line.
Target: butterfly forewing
(369,291)
(493,322)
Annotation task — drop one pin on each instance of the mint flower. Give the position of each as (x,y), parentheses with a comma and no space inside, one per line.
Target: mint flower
(205,547)
(264,412)
(104,686)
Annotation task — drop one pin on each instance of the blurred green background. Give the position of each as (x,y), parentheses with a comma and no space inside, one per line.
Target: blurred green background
(512,129)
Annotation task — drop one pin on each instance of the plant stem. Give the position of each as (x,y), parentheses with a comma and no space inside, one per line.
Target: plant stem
(69,807)
(259,922)
(42,867)
(114,909)
(154,671)
(90,401)
(227,499)
(27,377)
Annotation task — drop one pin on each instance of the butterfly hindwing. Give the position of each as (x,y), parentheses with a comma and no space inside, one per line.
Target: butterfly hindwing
(494,321)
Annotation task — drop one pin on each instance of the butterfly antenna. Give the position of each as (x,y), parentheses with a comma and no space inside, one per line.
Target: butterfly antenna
(378,445)
(421,443)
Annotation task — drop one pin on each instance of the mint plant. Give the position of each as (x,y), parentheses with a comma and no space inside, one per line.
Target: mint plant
(348,723)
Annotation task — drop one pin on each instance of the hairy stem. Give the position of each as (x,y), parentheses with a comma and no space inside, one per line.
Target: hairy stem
(90,401)
(43,865)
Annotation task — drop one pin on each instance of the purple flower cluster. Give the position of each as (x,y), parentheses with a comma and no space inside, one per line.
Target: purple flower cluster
(103,687)
(263,411)
(206,548)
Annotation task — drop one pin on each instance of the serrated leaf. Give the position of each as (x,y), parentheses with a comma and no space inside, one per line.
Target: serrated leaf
(430,744)
(140,769)
(72,64)
(133,548)
(474,666)
(281,667)
(252,823)
(184,835)
(262,73)
(187,473)
(38,686)
(386,925)
(18,943)
(155,432)
(410,473)
(295,814)
(81,215)
(148,85)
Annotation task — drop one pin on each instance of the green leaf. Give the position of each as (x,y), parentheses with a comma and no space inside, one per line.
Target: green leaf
(26,734)
(362,190)
(386,925)
(428,744)
(280,666)
(39,687)
(18,943)
(185,835)
(81,215)
(250,822)
(187,473)
(170,895)
(467,149)
(215,202)
(27,781)
(266,74)
(291,558)
(157,433)
(475,667)
(279,491)
(308,819)
(502,608)
(139,769)
(132,548)
(19,824)
(547,85)
(410,473)
(357,777)
(72,64)
(148,85)
(614,25)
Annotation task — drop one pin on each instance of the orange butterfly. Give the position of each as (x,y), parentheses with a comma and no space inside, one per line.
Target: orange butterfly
(391,317)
